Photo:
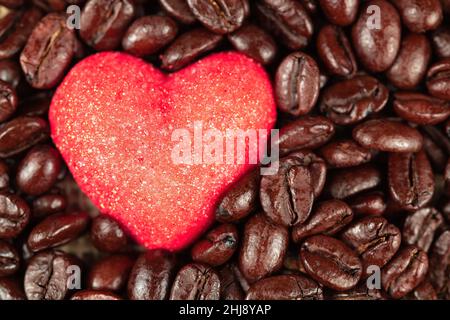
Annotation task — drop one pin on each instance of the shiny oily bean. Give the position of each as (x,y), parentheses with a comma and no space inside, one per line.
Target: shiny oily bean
(420,228)
(440,39)
(371,204)
(345,153)
(352,100)
(103,22)
(4,176)
(14,215)
(440,261)
(56,230)
(187,47)
(377,46)
(147,35)
(110,273)
(411,64)
(10,72)
(10,289)
(107,235)
(151,276)
(420,108)
(297,84)
(48,204)
(285,287)
(335,51)
(8,101)
(305,133)
(220,16)
(404,272)
(196,282)
(241,199)
(329,217)
(438,79)
(263,248)
(411,180)
(330,262)
(95,295)
(388,136)
(230,289)
(420,15)
(9,259)
(217,246)
(255,43)
(340,12)
(178,9)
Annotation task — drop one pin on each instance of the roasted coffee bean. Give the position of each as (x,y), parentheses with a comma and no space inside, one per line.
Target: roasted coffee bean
(285,287)
(95,295)
(107,235)
(424,291)
(345,153)
(438,79)
(334,48)
(14,215)
(441,42)
(196,282)
(360,292)
(288,20)
(420,108)
(48,52)
(4,176)
(178,9)
(222,16)
(10,289)
(437,146)
(305,133)
(48,204)
(297,84)
(310,5)
(36,105)
(420,227)
(187,47)
(411,181)
(329,217)
(440,261)
(388,136)
(110,273)
(340,13)
(46,277)
(263,248)
(374,239)
(147,35)
(351,100)
(10,72)
(9,259)
(377,41)
(241,199)
(217,247)
(411,64)
(8,101)
(255,43)
(419,15)
(373,204)
(12,3)
(151,276)
(350,181)
(330,262)
(230,289)
(404,272)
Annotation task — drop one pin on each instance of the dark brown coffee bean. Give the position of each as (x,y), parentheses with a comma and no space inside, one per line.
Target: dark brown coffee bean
(147,35)
(217,246)
(187,47)
(110,273)
(95,295)
(330,262)
(441,42)
(255,43)
(352,100)
(107,235)
(372,204)
(305,133)
(151,276)
(48,52)
(420,227)
(388,136)
(10,289)
(334,48)
(48,204)
(178,9)
(9,259)
(241,200)
(340,13)
(411,63)
(285,287)
(287,20)
(56,230)
(14,215)
(405,272)
(4,176)
(8,101)
(196,282)
(411,181)
(47,275)
(263,248)
(36,105)
(440,261)
(230,289)
(297,84)
(10,72)
(420,15)
(360,292)
(12,3)
(328,218)
(424,291)
(437,146)
(438,79)
(377,41)
(345,153)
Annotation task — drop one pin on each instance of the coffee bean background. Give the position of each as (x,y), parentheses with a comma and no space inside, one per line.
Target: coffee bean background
(364,176)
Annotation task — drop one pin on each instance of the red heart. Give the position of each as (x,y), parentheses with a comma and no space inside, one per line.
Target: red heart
(113,117)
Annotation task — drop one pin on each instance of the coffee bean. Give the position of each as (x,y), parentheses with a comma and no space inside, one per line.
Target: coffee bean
(151,276)
(424,291)
(4,176)
(10,72)
(438,79)
(263,248)
(178,9)
(10,289)
(440,261)
(330,262)
(345,153)
(9,259)
(196,282)
(8,101)
(110,273)
(420,227)
(107,235)
(360,292)
(95,295)
(14,215)
(36,105)
(297,84)
(420,16)
(230,289)
(12,3)
(48,204)
(440,39)
(372,203)
(340,13)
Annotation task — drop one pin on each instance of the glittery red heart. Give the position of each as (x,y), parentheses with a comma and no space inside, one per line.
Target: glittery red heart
(113,117)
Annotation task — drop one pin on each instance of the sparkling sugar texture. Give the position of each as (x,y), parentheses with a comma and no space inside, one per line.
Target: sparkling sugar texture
(112,119)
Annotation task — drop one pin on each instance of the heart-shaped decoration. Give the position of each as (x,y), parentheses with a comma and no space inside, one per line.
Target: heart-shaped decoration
(113,119)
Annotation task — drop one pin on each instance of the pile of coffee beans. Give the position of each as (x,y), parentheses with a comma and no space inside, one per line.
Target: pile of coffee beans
(360,205)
